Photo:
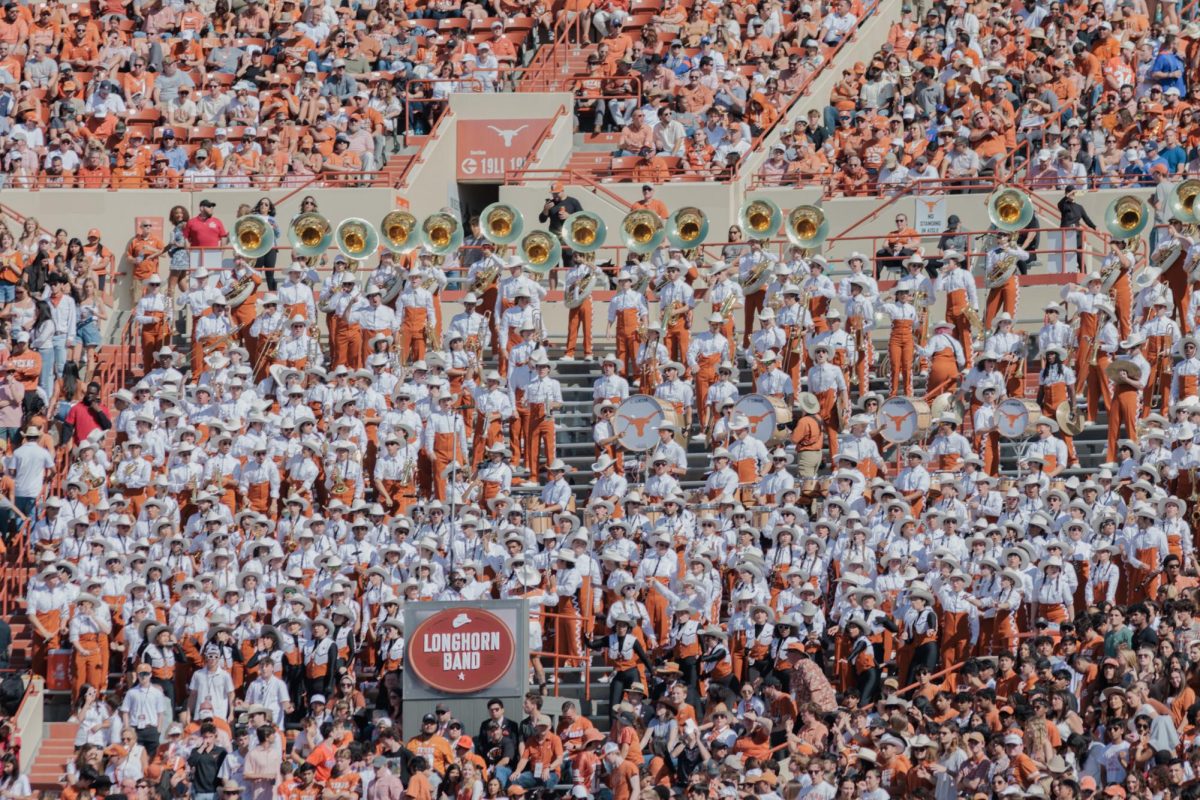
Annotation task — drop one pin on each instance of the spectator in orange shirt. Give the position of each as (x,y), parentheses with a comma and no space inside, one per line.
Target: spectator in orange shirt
(650,167)
(419,786)
(652,203)
(542,761)
(431,745)
(623,780)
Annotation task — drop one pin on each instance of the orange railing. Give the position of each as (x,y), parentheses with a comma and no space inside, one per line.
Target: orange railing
(263,181)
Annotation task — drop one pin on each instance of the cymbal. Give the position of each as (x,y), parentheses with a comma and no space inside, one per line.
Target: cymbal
(1113,370)
(1069,421)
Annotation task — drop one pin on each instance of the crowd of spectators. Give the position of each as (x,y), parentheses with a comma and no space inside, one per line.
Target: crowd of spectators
(213,93)
(1056,95)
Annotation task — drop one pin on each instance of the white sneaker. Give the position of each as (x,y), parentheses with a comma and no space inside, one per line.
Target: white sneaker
(589,358)
(567,359)
(699,437)
(605,678)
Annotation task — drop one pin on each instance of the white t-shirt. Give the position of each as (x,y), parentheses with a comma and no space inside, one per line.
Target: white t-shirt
(28,465)
(212,691)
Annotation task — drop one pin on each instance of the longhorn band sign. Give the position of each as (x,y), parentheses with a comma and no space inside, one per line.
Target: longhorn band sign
(487,148)
(461,650)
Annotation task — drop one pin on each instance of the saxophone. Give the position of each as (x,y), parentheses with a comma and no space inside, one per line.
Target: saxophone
(727,305)
(339,481)
(432,339)
(407,471)
(485,279)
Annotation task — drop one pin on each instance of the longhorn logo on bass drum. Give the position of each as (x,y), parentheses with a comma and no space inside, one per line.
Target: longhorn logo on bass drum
(461,650)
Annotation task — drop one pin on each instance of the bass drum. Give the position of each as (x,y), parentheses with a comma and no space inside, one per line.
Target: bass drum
(1016,418)
(902,419)
(638,418)
(768,416)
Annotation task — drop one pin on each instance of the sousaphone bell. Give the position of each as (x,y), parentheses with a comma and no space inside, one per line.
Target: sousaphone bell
(441,233)
(1009,209)
(541,251)
(687,228)
(398,232)
(1126,217)
(642,231)
(760,219)
(310,234)
(356,238)
(584,232)
(253,236)
(807,227)
(501,224)
(1182,202)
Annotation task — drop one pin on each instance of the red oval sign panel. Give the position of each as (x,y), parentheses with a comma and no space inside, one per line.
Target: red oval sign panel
(461,650)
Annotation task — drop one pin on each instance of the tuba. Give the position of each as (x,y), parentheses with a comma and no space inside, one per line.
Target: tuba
(1009,209)
(1126,217)
(688,228)
(310,234)
(760,219)
(584,232)
(441,233)
(807,227)
(501,224)
(253,236)
(642,231)
(542,250)
(356,238)
(397,228)
(1182,203)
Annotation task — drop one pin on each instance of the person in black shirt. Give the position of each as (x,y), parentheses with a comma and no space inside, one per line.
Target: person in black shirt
(499,750)
(1029,239)
(496,712)
(1072,214)
(205,764)
(557,208)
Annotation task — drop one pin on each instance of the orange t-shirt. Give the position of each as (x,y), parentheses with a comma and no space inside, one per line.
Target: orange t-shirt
(620,780)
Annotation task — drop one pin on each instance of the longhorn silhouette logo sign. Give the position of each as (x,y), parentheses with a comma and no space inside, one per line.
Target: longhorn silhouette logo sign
(507,135)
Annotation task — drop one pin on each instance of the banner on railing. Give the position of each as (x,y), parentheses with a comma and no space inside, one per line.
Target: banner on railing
(489,147)
(930,214)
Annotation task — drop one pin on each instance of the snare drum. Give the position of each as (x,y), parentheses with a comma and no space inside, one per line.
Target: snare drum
(768,416)
(902,419)
(1016,418)
(637,420)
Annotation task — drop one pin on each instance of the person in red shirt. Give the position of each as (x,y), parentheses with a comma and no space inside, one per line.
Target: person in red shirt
(206,231)
(88,415)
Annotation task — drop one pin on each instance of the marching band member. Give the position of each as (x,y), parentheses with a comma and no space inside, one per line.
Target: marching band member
(265,333)
(1175,271)
(1003,297)
(1127,387)
(840,343)
(751,266)
(819,290)
(859,446)
(652,353)
(676,304)
(794,319)
(512,286)
(476,329)
(987,437)
(828,384)
(769,336)
(493,410)
(375,319)
(516,320)
(521,357)
(543,396)
(946,361)
(579,316)
(773,382)
(243,315)
(415,314)
(949,448)
(610,386)
(151,315)
(1185,375)
(667,446)
(1161,334)
(870,288)
(444,441)
(213,332)
(678,392)
(1056,385)
(900,342)
(706,351)
(958,285)
(296,296)
(1121,290)
(725,296)
(346,338)
(629,311)
(1008,348)
(860,322)
(749,457)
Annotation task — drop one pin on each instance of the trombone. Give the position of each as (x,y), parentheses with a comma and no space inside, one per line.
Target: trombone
(397,228)
(1009,209)
(542,250)
(807,227)
(501,224)
(310,234)
(688,228)
(356,238)
(584,232)
(642,231)
(761,219)
(253,236)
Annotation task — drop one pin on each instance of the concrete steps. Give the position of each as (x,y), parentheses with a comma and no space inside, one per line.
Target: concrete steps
(57,748)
